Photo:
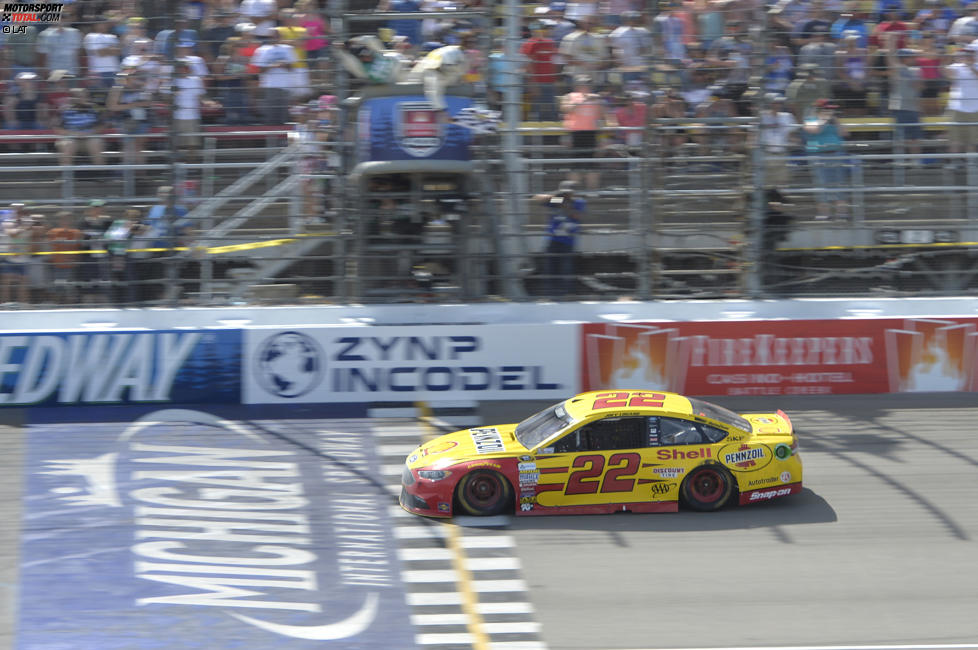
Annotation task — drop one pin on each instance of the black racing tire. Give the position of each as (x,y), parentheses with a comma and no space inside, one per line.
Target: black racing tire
(707,488)
(484,493)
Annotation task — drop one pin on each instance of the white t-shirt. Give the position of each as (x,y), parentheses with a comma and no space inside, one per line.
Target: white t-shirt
(630,44)
(776,129)
(94,42)
(964,87)
(187,100)
(272,53)
(260,13)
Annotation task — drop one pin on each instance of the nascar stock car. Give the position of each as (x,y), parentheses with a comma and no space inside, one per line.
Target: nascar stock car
(607,451)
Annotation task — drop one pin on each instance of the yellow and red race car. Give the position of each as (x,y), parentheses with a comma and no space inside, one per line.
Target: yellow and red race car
(607,451)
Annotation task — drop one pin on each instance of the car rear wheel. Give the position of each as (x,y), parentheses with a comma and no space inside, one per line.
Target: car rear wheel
(707,488)
(484,493)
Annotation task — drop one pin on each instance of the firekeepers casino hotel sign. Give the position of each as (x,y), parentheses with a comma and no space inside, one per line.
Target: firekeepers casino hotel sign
(21,14)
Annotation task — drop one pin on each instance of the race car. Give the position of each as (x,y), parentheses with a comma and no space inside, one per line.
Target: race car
(607,451)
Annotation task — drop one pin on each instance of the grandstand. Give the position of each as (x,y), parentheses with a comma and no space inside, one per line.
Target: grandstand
(698,109)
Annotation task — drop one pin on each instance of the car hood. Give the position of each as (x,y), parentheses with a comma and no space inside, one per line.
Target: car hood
(469,444)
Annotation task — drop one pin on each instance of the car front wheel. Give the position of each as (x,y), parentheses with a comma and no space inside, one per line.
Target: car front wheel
(484,493)
(707,488)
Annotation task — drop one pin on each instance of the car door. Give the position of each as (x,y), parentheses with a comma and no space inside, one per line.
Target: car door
(595,463)
(676,445)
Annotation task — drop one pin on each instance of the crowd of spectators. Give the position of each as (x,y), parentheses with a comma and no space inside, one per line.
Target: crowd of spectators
(247,62)
(89,256)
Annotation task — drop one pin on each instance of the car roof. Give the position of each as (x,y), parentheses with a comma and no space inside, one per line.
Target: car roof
(581,407)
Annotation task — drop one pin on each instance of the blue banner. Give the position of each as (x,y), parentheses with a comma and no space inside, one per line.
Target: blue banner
(185,530)
(120,367)
(407,127)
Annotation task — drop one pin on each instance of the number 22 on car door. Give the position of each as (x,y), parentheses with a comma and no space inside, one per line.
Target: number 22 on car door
(596,463)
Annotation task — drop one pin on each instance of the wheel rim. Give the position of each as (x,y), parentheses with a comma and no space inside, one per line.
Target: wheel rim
(483,490)
(708,485)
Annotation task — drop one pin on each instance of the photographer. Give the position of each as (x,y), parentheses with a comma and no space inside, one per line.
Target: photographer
(566,212)
(824,138)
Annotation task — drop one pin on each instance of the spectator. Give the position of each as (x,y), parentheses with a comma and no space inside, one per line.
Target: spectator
(409,28)
(631,45)
(930,61)
(217,34)
(247,46)
(58,96)
(93,271)
(584,116)
(163,227)
(807,87)
(779,66)
(717,138)
(585,52)
(24,107)
(188,100)
(134,39)
(15,241)
(560,26)
(123,276)
(316,44)
(669,34)
(670,137)
(820,51)
(60,46)
(167,39)
(852,63)
(21,50)
(275,60)
(79,120)
(905,88)
(102,49)
(230,82)
(541,74)
(566,213)
(824,139)
(38,278)
(777,126)
(293,34)
(965,29)
(185,53)
(261,13)
(132,103)
(847,23)
(64,240)
(817,21)
(962,105)
(631,114)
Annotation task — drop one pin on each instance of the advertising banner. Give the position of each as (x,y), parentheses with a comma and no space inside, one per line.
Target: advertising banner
(407,127)
(120,367)
(369,364)
(808,357)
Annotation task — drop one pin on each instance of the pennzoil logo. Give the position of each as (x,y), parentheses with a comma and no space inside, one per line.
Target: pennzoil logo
(21,14)
(418,129)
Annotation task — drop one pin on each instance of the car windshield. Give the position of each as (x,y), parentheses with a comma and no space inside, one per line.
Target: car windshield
(719,414)
(540,426)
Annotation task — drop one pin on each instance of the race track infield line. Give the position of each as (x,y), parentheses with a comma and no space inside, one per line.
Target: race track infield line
(464,584)
(474,621)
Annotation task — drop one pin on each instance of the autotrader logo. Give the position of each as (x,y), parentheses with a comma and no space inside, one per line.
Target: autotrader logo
(289,364)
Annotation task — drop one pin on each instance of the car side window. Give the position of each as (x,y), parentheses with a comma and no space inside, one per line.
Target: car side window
(676,431)
(606,434)
(713,434)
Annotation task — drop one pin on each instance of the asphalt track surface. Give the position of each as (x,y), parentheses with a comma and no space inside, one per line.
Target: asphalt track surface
(878,551)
